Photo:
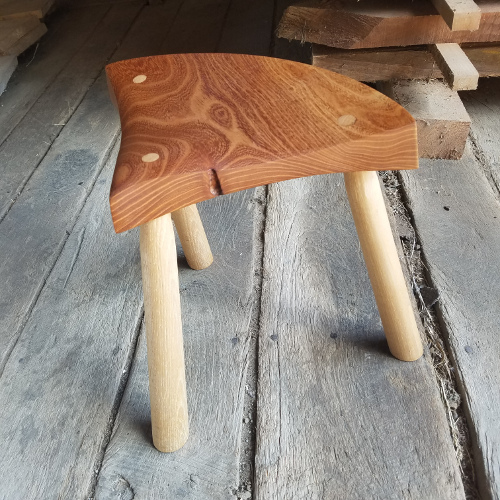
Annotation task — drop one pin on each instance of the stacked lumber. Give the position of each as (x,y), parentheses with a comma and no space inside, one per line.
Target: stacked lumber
(398,63)
(363,24)
(392,41)
(20,27)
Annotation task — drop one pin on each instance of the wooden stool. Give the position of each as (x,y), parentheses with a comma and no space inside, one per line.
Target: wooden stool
(196,126)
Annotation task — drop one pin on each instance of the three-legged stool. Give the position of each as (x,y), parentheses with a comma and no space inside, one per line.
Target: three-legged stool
(196,126)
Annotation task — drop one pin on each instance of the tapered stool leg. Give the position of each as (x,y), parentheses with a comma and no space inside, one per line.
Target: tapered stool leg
(193,238)
(167,381)
(382,262)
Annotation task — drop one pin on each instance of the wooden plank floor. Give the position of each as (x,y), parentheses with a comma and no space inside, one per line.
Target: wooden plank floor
(291,389)
(335,408)
(462,200)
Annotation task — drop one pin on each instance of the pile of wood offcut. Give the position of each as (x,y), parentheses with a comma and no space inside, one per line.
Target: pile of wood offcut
(20,27)
(420,53)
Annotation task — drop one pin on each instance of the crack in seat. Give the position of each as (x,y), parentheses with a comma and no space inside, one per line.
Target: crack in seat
(195,126)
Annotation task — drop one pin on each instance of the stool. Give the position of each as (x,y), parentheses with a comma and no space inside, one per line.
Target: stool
(196,126)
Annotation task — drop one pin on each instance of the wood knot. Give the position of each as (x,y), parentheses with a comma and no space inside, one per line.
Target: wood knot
(214,182)
(221,115)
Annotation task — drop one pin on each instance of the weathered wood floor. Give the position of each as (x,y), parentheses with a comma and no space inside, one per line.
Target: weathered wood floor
(292,391)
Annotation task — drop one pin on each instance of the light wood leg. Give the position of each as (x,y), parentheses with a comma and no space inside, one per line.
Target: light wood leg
(193,238)
(382,262)
(167,380)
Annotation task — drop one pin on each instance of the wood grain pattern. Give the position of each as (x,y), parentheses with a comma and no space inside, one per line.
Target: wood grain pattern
(443,123)
(68,366)
(197,27)
(21,8)
(80,152)
(372,65)
(60,383)
(382,262)
(30,141)
(192,237)
(27,40)
(288,49)
(457,69)
(221,123)
(59,45)
(338,417)
(483,107)
(12,30)
(16,35)
(7,66)
(461,249)
(350,24)
(217,308)
(162,313)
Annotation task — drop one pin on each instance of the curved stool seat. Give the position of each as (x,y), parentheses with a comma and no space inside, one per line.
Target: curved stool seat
(196,126)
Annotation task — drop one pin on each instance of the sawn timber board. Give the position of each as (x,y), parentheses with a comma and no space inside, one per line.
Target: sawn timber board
(351,24)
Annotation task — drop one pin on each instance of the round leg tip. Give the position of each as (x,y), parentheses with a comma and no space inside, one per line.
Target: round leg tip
(409,355)
(170,445)
(200,263)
